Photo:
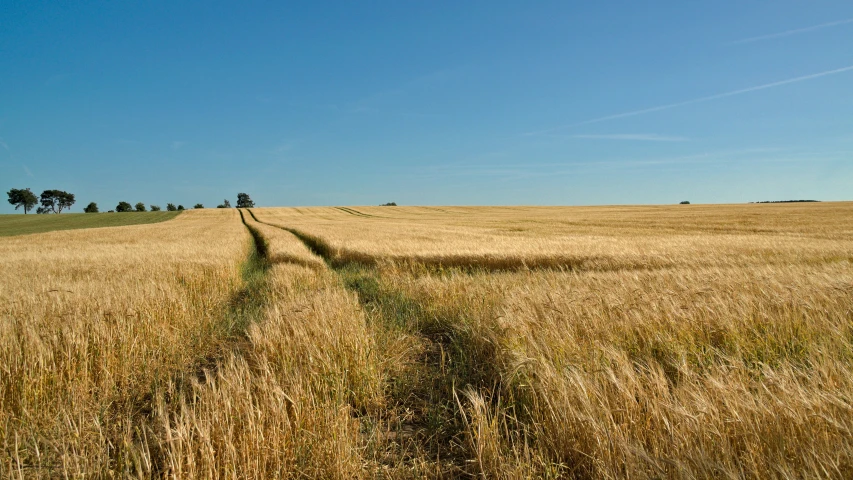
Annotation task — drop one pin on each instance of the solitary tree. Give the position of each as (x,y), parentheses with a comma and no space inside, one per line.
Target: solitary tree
(171,207)
(155,208)
(140,207)
(685,202)
(198,205)
(124,207)
(225,204)
(92,207)
(22,197)
(55,201)
(243,201)
(180,207)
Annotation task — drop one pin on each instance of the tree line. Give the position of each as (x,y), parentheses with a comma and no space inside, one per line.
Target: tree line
(55,201)
(52,201)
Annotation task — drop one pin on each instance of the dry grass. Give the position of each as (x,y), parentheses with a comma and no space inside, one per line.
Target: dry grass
(287,405)
(92,323)
(732,357)
(659,342)
(581,238)
(312,394)
(681,373)
(282,246)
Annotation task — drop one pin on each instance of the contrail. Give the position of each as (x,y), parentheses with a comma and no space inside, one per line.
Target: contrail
(697,100)
(790,32)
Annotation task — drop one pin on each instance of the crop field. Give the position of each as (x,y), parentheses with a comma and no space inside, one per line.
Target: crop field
(678,341)
(27,224)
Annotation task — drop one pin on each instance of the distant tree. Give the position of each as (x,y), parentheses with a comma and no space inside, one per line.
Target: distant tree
(140,207)
(124,207)
(244,201)
(389,204)
(56,200)
(22,197)
(111,211)
(198,205)
(225,204)
(685,203)
(92,207)
(42,210)
(180,207)
(155,208)
(171,207)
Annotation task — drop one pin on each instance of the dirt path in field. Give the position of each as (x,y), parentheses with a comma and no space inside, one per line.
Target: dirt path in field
(353,211)
(243,308)
(424,431)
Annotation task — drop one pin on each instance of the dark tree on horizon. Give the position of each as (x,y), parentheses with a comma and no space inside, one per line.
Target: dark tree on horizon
(92,207)
(244,201)
(124,207)
(22,197)
(55,201)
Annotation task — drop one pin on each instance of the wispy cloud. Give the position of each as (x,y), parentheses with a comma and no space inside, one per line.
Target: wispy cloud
(788,33)
(27,170)
(760,155)
(708,98)
(642,137)
(177,144)
(4,145)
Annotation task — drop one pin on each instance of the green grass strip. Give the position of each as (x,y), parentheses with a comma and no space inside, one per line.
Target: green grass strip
(18,224)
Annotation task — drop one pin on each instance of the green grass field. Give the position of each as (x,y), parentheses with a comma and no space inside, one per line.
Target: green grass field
(17,224)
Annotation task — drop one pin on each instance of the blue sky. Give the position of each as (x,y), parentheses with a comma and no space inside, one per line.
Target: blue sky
(427,103)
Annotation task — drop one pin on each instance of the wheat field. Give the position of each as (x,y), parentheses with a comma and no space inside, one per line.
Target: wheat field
(584,238)
(94,322)
(679,341)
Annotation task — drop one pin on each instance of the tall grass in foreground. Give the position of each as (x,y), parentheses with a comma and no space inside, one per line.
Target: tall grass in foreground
(717,344)
(93,324)
(286,405)
(147,352)
(679,373)
(329,384)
